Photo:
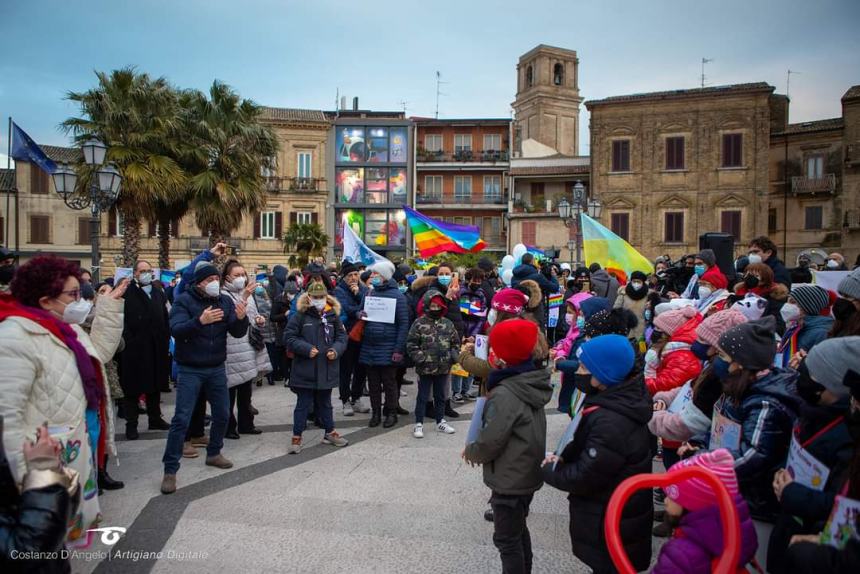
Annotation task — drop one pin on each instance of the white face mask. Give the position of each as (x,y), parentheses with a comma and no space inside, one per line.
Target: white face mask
(212,289)
(239,283)
(318,303)
(832,264)
(570,318)
(637,285)
(704,292)
(754,258)
(491,317)
(145,278)
(76,312)
(790,312)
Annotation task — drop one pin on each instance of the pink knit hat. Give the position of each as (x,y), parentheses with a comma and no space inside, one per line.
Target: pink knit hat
(671,321)
(694,493)
(712,327)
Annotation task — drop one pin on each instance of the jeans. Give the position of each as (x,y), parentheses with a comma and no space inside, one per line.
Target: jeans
(197,428)
(460,385)
(425,383)
(276,357)
(241,394)
(321,401)
(352,373)
(153,409)
(511,533)
(191,380)
(382,380)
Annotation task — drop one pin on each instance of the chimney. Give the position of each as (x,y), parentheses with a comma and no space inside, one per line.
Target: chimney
(778,105)
(355,104)
(342,103)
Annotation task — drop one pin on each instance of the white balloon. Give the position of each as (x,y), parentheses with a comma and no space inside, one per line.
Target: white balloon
(508,262)
(519,250)
(507,275)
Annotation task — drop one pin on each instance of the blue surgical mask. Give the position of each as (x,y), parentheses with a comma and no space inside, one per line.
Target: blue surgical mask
(259,291)
(444,280)
(700,350)
(376,281)
(403,288)
(700,270)
(580,322)
(648,314)
(721,368)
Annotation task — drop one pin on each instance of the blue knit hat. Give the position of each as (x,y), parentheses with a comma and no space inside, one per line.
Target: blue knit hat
(592,305)
(609,358)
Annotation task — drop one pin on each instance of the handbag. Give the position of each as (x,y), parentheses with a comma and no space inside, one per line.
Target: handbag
(357,331)
(255,337)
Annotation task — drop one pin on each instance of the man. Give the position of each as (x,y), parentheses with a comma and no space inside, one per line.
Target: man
(7,268)
(835,262)
(350,294)
(703,262)
(200,321)
(144,365)
(602,283)
(527,269)
(763,250)
(490,282)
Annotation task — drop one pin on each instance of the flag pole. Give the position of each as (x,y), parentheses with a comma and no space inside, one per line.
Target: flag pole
(8,191)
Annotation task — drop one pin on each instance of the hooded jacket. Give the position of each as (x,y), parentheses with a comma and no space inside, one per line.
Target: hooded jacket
(433,344)
(611,444)
(308,329)
(604,285)
(562,348)
(512,441)
(678,364)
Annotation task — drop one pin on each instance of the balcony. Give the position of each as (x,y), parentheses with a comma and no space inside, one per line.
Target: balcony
(471,199)
(812,185)
(293,184)
(463,156)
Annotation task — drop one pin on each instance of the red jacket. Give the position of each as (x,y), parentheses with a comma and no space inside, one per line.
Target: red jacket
(677,365)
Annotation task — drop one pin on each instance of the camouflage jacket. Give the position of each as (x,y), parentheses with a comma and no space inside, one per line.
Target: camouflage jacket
(433,344)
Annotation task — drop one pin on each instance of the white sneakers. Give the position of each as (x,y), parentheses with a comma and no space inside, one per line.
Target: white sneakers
(348,410)
(443,427)
(418,431)
(359,406)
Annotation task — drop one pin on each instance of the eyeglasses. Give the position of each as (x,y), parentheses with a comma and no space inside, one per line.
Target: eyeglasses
(74,293)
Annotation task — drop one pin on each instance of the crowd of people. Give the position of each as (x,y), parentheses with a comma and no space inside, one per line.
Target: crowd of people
(752,375)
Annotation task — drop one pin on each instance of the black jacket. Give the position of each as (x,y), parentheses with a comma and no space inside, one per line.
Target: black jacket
(611,444)
(780,272)
(523,272)
(308,329)
(144,365)
(199,345)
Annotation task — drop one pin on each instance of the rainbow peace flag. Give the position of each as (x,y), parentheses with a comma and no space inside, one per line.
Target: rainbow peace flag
(604,247)
(433,236)
(470,307)
(555,300)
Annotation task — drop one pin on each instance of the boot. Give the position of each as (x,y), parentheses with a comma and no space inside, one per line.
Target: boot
(390,420)
(401,411)
(131,432)
(120,409)
(105,481)
(375,419)
(450,412)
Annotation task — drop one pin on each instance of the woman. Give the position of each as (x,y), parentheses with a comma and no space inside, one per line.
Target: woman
(846,309)
(51,370)
(267,329)
(633,298)
(244,362)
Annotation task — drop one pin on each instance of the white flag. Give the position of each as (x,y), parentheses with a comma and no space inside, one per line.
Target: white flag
(354,249)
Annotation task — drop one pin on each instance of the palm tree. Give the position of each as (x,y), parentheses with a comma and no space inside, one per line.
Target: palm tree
(306,239)
(166,215)
(226,148)
(138,118)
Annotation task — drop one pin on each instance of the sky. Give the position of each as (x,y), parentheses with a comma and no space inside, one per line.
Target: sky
(302,53)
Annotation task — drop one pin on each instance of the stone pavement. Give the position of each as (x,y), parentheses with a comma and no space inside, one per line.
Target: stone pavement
(386,503)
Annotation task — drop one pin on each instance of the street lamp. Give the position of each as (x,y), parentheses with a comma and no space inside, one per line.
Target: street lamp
(101,194)
(570,214)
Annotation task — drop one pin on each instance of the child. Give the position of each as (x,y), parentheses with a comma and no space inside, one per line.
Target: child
(610,444)
(692,505)
(433,345)
(512,441)
(473,306)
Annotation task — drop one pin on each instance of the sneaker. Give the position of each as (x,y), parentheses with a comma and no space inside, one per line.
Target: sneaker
(359,407)
(348,411)
(168,484)
(472,395)
(219,461)
(445,427)
(295,445)
(334,439)
(418,430)
(457,398)
(188,450)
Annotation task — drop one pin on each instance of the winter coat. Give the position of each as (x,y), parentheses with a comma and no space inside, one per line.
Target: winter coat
(526,272)
(244,363)
(563,347)
(780,272)
(475,321)
(809,558)
(678,364)
(420,287)
(611,444)
(698,542)
(635,306)
(766,414)
(307,329)
(811,330)
(351,304)
(489,289)
(473,365)
(535,308)
(144,364)
(264,309)
(381,340)
(512,441)
(432,344)
(604,285)
(278,316)
(568,368)
(199,345)
(680,426)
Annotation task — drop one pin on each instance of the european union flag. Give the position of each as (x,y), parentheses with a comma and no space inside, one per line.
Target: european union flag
(25,149)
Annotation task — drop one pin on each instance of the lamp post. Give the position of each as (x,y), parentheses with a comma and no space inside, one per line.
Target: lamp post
(100,195)
(570,214)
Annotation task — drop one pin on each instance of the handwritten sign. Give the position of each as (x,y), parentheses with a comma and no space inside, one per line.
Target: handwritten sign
(725,433)
(477,422)
(380,309)
(684,396)
(842,524)
(482,347)
(804,468)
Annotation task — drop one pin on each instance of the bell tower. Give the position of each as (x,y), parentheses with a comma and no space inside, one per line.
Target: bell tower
(547,104)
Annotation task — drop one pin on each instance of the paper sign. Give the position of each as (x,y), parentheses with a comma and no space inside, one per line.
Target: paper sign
(552,318)
(482,347)
(829,279)
(576,408)
(804,468)
(725,433)
(842,524)
(684,396)
(777,361)
(122,273)
(380,309)
(477,422)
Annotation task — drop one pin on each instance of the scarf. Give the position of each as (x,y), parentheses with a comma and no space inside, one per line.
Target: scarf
(499,375)
(94,391)
(633,293)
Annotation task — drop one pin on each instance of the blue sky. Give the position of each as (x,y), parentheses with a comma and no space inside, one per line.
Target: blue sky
(300,53)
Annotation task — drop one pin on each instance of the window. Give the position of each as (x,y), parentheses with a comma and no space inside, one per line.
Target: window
(463,187)
(305,164)
(733,150)
(38,179)
(40,229)
(558,74)
(815,167)
(674,227)
(529,232)
(116,223)
(462,142)
(814,217)
(675,153)
(492,188)
(771,220)
(267,171)
(267,225)
(621,155)
(491,228)
(433,186)
(529,76)
(433,142)
(492,142)
(463,220)
(304,217)
(83,231)
(730,222)
(620,224)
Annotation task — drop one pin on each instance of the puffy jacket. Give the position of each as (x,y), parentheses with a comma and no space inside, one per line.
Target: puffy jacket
(562,348)
(680,426)
(512,441)
(678,364)
(381,340)
(698,542)
(523,272)
(307,329)
(766,414)
(475,321)
(611,444)
(244,363)
(433,344)
(199,345)
(604,285)
(420,287)
(351,304)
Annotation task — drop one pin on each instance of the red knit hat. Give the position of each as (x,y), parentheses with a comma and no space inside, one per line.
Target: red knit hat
(513,340)
(695,493)
(510,301)
(715,277)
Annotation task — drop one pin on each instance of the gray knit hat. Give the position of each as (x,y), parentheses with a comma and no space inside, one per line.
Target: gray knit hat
(203,270)
(850,286)
(708,256)
(811,298)
(384,267)
(751,344)
(829,360)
